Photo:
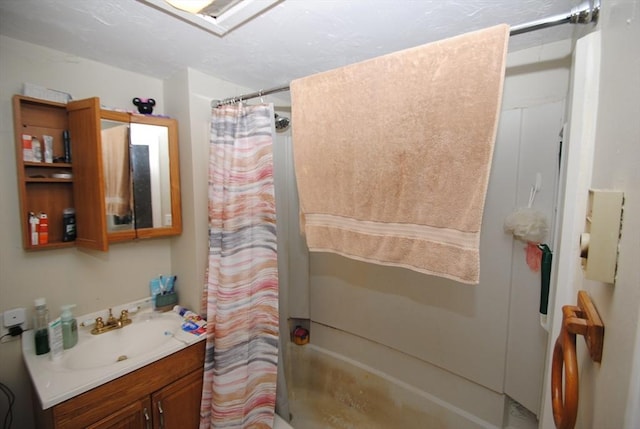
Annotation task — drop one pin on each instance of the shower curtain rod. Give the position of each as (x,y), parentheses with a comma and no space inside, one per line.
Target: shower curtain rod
(585,13)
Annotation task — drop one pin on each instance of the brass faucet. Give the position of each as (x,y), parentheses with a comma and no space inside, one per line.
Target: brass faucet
(112,323)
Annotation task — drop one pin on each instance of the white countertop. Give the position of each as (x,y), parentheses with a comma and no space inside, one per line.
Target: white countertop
(55,382)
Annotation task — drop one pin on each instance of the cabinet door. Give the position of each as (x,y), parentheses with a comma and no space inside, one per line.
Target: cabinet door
(88,189)
(134,416)
(177,406)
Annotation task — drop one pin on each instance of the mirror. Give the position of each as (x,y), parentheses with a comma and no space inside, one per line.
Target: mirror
(149,152)
(117,175)
(140,176)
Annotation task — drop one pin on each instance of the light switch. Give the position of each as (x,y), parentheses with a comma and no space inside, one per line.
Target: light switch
(599,243)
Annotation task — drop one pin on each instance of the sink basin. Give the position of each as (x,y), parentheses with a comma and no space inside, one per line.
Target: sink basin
(143,335)
(99,359)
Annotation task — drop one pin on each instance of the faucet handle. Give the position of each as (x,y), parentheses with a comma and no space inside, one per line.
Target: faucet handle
(124,318)
(99,323)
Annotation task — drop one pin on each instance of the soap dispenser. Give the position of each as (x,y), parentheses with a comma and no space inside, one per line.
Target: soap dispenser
(69,327)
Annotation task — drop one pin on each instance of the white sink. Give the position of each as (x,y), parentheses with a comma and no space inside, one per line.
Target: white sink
(98,359)
(114,347)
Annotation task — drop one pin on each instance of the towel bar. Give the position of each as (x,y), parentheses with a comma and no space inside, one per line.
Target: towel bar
(584,320)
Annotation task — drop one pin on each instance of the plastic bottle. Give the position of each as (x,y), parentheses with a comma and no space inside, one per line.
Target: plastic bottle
(41,326)
(187,314)
(69,327)
(69,224)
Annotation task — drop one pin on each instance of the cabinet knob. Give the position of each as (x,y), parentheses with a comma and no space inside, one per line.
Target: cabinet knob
(147,419)
(161,411)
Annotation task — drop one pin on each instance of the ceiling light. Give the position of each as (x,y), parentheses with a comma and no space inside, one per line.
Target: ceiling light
(216,16)
(191,6)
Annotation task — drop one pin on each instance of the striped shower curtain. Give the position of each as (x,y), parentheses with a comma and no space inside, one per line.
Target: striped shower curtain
(241,291)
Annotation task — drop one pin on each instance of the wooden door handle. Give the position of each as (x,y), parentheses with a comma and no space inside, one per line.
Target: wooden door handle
(584,320)
(564,401)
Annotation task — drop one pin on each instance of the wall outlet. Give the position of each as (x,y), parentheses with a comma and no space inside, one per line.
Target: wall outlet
(14,317)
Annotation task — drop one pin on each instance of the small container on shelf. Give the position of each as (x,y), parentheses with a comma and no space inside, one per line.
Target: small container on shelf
(34,222)
(36,147)
(43,229)
(68,224)
(27,148)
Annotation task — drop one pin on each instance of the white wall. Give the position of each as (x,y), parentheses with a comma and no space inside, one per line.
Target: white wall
(91,280)
(609,394)
(616,161)
(96,280)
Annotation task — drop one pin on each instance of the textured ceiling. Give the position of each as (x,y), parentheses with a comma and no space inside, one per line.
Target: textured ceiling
(294,38)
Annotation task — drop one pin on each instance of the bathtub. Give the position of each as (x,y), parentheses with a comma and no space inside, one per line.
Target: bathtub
(330,391)
(278,423)
(327,391)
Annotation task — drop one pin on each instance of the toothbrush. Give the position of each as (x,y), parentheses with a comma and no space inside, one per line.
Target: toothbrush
(162,288)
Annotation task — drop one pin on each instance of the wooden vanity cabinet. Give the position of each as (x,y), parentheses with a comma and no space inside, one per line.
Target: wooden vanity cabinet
(162,395)
(134,416)
(178,405)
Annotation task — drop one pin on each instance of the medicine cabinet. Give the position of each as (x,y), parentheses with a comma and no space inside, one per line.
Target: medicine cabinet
(123,178)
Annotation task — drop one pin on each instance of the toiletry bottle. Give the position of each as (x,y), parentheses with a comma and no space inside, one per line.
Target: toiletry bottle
(69,224)
(43,229)
(69,327)
(55,339)
(40,326)
(187,314)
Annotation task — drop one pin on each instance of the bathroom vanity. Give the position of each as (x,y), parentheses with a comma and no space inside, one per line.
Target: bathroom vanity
(152,380)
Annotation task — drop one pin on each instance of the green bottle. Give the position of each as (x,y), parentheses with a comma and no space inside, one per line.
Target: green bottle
(40,326)
(69,327)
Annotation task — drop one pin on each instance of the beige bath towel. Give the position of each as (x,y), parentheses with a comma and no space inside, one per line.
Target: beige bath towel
(115,157)
(392,155)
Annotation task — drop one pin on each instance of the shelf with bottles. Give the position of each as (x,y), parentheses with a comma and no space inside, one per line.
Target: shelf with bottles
(44,169)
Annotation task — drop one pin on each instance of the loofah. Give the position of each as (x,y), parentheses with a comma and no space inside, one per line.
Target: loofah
(527,224)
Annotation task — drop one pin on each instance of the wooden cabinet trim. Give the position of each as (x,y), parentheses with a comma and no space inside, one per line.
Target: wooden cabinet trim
(94,405)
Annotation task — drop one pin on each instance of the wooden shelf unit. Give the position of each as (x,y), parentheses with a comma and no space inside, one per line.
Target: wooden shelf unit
(38,191)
